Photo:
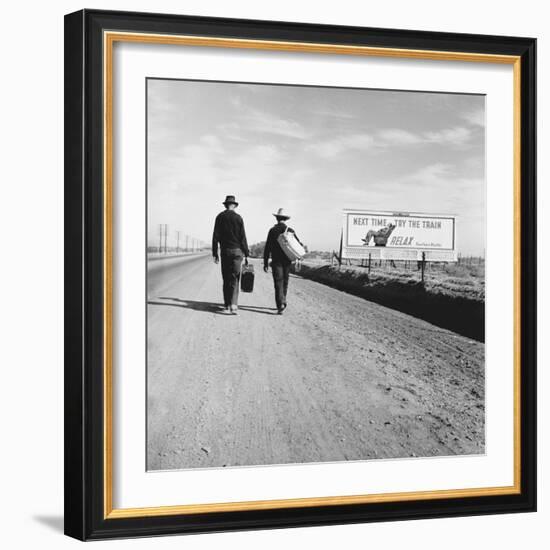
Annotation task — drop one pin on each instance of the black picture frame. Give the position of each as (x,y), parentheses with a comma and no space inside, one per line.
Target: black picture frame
(84,276)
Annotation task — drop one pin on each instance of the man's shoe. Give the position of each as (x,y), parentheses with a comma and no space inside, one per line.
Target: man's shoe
(283,307)
(280,311)
(234,310)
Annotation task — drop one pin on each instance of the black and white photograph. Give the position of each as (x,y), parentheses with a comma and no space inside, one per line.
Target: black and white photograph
(315,274)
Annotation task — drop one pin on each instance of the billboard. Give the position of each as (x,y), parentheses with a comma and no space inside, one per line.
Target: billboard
(398,235)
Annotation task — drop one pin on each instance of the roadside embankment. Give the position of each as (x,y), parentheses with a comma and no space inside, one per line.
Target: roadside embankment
(449,302)
(162,262)
(154,256)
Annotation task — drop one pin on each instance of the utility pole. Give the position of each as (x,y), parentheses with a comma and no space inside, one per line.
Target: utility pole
(160,238)
(178,241)
(165,236)
(186,243)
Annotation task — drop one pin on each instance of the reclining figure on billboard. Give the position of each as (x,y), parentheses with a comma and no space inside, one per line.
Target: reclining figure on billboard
(379,237)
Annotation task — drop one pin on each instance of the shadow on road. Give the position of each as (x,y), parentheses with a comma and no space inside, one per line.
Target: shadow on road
(260,309)
(209,307)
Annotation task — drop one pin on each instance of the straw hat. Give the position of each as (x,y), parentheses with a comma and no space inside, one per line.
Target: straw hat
(282,214)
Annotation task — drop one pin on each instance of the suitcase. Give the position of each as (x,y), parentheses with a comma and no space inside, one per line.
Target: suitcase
(247,278)
(290,245)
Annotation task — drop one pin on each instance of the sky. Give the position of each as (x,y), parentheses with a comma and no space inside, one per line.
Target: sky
(312,151)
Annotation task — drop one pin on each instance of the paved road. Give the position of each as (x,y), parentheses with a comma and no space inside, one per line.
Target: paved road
(334,378)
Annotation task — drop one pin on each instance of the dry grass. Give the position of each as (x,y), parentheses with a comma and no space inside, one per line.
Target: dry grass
(454,280)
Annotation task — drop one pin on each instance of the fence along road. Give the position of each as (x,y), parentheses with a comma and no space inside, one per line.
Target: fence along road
(334,378)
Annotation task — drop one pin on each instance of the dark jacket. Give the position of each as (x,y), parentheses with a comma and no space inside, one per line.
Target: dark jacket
(229,233)
(273,248)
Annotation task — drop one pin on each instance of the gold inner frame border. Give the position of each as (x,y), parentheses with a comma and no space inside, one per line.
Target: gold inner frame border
(109,39)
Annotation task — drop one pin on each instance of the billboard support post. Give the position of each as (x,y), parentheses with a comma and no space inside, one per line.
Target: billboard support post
(423,265)
(369,261)
(340,252)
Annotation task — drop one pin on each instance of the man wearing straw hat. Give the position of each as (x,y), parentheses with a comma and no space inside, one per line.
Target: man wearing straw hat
(229,234)
(280,263)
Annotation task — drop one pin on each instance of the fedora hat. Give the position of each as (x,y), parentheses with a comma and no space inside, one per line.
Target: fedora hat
(230,199)
(282,214)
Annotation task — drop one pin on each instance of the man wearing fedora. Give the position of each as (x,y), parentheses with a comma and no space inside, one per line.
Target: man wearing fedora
(229,234)
(280,263)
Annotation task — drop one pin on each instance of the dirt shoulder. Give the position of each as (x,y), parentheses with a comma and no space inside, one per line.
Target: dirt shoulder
(452,302)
